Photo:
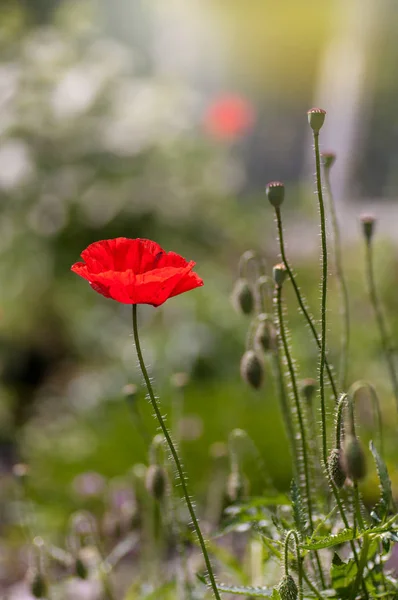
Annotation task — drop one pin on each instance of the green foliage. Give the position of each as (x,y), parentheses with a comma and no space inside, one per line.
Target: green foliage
(386,499)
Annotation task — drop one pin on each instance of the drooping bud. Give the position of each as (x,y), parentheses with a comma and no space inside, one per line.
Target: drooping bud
(275,192)
(328,159)
(368,226)
(308,388)
(335,467)
(279,273)
(38,585)
(156,481)
(287,588)
(265,336)
(316,118)
(243,297)
(251,369)
(354,460)
(237,486)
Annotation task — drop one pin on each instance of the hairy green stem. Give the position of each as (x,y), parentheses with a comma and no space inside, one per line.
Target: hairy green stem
(344,299)
(300,300)
(293,534)
(285,409)
(385,342)
(174,454)
(303,436)
(339,419)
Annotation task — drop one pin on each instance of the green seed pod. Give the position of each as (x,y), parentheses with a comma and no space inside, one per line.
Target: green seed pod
(156,481)
(287,588)
(243,297)
(354,458)
(275,192)
(251,369)
(335,467)
(368,226)
(279,273)
(237,486)
(265,337)
(81,570)
(328,159)
(316,118)
(38,585)
(308,388)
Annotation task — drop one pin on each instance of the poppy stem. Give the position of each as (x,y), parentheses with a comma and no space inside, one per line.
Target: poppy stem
(175,456)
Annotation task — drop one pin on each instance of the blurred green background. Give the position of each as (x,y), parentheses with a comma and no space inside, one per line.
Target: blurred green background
(104,132)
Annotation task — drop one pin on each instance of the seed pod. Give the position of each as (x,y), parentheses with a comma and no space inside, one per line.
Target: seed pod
(354,458)
(236,486)
(251,369)
(368,226)
(275,192)
(308,388)
(264,337)
(156,481)
(328,159)
(279,273)
(335,467)
(81,570)
(38,585)
(316,118)
(243,297)
(287,588)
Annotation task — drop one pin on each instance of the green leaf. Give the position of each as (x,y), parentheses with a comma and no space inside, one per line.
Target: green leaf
(298,509)
(327,541)
(256,592)
(343,576)
(384,504)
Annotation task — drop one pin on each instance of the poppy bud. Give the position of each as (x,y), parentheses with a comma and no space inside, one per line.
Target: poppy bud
(335,468)
(328,159)
(316,118)
(354,458)
(236,486)
(38,585)
(156,481)
(264,337)
(368,226)
(287,588)
(251,369)
(275,192)
(279,273)
(308,388)
(243,297)
(81,570)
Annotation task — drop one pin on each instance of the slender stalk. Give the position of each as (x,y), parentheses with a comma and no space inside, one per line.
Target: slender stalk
(301,300)
(293,534)
(174,454)
(304,445)
(385,342)
(344,299)
(362,563)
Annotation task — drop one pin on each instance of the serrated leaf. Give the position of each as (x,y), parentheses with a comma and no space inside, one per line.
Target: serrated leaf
(327,541)
(298,509)
(384,504)
(254,592)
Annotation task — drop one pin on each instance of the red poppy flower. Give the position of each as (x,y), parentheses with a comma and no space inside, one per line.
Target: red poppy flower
(136,271)
(229,117)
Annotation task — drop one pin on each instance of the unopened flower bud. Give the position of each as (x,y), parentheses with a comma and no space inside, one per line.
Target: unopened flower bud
(368,226)
(275,192)
(38,585)
(308,388)
(328,159)
(335,467)
(251,369)
(236,486)
(354,460)
(264,337)
(279,273)
(316,118)
(81,570)
(243,297)
(156,481)
(287,588)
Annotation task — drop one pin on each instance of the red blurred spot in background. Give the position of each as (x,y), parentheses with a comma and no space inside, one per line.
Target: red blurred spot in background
(228,117)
